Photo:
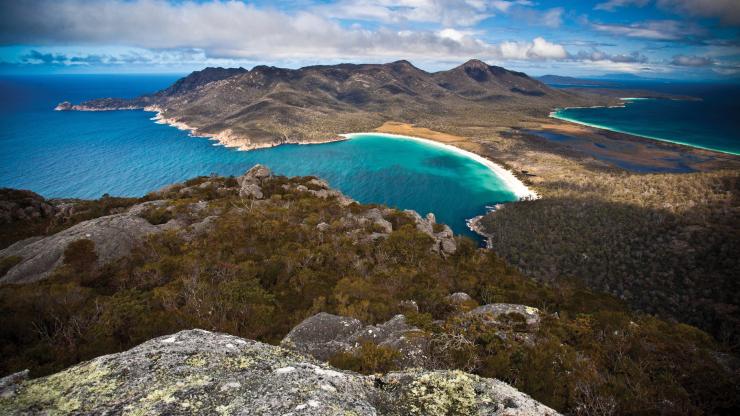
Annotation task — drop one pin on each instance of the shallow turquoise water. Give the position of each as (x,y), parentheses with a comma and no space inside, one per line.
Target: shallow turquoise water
(86,154)
(710,123)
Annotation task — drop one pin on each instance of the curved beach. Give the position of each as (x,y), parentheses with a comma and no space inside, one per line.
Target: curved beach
(512,183)
(626,100)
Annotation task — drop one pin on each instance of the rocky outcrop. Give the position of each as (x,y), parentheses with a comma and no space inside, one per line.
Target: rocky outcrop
(322,335)
(250,183)
(444,239)
(19,205)
(458,298)
(114,236)
(199,372)
(325,335)
(505,313)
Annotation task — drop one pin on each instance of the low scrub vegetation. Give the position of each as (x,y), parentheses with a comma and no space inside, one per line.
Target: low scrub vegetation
(265,266)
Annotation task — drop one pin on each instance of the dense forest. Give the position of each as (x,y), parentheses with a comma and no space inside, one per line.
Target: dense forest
(266,264)
(666,244)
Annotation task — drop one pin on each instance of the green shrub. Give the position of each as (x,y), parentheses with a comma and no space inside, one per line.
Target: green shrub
(157,215)
(370,358)
(7,263)
(80,255)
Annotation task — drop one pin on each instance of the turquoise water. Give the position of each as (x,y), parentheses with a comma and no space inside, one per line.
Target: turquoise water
(710,123)
(124,153)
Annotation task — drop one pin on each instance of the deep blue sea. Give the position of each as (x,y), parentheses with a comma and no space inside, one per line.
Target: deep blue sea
(124,153)
(711,123)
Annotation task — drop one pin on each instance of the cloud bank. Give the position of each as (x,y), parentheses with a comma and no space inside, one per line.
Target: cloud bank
(232,29)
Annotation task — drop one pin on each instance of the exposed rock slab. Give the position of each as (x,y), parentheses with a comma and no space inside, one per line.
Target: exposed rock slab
(199,372)
(114,236)
(324,335)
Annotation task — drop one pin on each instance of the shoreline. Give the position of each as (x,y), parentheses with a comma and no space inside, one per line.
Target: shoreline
(228,139)
(225,138)
(512,183)
(553,114)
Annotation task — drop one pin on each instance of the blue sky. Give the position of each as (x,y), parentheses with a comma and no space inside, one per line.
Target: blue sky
(682,39)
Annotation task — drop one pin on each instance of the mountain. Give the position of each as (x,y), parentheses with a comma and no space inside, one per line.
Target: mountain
(266,105)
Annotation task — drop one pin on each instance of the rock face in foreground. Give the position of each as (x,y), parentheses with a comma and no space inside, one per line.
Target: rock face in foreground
(199,372)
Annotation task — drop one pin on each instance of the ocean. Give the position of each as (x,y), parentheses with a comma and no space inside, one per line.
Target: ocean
(124,153)
(710,123)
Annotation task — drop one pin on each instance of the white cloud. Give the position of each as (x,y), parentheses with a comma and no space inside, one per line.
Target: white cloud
(654,29)
(454,34)
(539,48)
(235,30)
(445,12)
(692,60)
(627,67)
(612,5)
(599,55)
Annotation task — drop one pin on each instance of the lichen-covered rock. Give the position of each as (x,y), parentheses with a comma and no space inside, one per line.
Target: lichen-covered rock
(332,193)
(459,298)
(411,343)
(199,372)
(423,392)
(10,384)
(250,183)
(114,237)
(494,313)
(256,174)
(250,190)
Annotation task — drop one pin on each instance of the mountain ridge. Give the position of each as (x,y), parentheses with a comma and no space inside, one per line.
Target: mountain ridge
(268,106)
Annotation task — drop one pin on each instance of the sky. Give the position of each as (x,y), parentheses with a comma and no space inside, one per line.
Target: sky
(672,39)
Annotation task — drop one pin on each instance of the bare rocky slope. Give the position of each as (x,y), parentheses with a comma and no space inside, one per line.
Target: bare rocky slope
(267,106)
